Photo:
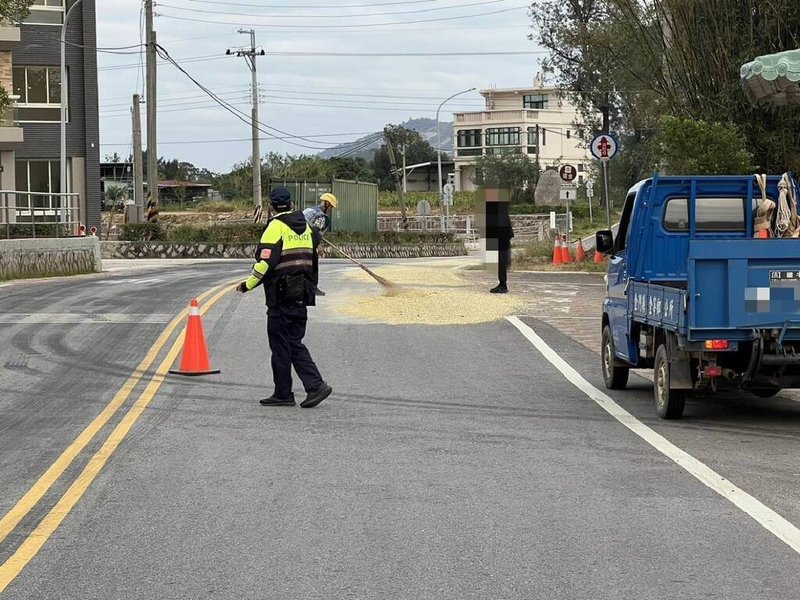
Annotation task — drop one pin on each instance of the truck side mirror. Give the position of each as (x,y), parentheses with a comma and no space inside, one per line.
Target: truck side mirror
(604,241)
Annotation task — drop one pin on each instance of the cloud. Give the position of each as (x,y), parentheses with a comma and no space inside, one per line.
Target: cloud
(306,95)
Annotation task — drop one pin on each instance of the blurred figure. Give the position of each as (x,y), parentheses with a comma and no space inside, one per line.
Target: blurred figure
(494,224)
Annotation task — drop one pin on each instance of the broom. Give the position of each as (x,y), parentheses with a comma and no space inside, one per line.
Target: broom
(382,280)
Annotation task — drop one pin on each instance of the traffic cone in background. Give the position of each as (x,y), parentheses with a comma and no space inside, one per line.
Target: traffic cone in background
(558,257)
(580,254)
(598,258)
(566,257)
(195,353)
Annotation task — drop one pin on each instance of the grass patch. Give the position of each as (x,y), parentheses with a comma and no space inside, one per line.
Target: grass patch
(538,256)
(223,206)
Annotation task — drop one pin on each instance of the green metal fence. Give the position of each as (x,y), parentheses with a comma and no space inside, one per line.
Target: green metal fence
(358,201)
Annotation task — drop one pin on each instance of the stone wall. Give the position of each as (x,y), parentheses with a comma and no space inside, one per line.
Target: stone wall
(171,250)
(20,259)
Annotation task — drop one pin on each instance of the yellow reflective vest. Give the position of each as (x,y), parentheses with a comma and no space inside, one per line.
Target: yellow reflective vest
(286,248)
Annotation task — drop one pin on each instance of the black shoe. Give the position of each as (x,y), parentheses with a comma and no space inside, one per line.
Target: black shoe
(319,292)
(500,289)
(273,401)
(316,396)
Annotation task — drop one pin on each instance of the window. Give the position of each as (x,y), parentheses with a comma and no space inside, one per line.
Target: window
(46,12)
(713,214)
(42,176)
(537,101)
(502,136)
(624,230)
(39,91)
(580,167)
(503,150)
(38,176)
(537,135)
(469,138)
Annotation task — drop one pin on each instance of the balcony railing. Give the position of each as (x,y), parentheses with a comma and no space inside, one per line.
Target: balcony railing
(36,214)
(496,116)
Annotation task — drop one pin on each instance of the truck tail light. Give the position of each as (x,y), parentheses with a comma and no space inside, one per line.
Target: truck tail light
(713,371)
(717,344)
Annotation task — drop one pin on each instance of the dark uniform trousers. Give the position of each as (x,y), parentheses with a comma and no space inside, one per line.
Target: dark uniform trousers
(286,327)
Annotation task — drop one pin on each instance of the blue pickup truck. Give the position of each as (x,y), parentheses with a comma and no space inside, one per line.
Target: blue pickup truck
(692,295)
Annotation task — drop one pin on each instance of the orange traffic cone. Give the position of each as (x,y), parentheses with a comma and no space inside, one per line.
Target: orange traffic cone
(195,353)
(598,258)
(763,234)
(558,257)
(566,257)
(580,254)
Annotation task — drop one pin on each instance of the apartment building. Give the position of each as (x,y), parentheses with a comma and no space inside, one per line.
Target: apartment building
(533,121)
(30,71)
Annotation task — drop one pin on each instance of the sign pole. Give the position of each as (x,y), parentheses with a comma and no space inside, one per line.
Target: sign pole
(608,199)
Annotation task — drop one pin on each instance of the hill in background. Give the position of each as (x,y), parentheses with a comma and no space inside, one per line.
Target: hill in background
(425,127)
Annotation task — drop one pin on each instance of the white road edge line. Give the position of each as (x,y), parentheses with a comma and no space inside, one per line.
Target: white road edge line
(765,516)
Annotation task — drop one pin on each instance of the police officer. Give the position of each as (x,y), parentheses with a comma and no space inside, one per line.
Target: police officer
(284,266)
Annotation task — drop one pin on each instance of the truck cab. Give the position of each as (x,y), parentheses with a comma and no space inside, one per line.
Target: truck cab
(693,295)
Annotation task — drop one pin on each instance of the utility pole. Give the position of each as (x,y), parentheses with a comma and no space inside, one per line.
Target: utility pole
(250,58)
(138,168)
(405,173)
(398,183)
(604,199)
(152,81)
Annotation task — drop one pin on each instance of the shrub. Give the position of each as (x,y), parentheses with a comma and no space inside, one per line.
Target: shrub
(390,237)
(141,232)
(26,230)
(191,234)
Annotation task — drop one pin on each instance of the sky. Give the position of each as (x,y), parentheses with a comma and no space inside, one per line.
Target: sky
(310,85)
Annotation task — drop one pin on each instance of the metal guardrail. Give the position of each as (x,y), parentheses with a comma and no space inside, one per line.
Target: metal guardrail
(54,215)
(465,226)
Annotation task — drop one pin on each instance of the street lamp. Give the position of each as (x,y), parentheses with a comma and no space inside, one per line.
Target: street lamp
(439,154)
(64,90)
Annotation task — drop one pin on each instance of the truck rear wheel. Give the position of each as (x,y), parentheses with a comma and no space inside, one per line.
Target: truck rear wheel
(669,403)
(616,378)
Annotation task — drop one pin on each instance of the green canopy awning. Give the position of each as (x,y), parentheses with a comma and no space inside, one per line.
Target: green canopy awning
(773,78)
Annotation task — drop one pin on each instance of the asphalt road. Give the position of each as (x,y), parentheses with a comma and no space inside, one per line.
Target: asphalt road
(450,462)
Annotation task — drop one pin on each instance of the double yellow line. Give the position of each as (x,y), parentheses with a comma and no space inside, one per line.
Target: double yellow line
(34,542)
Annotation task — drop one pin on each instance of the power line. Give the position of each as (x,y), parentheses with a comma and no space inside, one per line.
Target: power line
(187,107)
(328,6)
(406,54)
(247,139)
(178,101)
(235,112)
(194,59)
(346,26)
(213,57)
(361,146)
(362,102)
(338,16)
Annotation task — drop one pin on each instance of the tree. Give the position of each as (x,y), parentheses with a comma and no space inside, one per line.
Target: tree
(14,11)
(417,148)
(113,158)
(514,172)
(645,59)
(115,194)
(177,170)
(701,148)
